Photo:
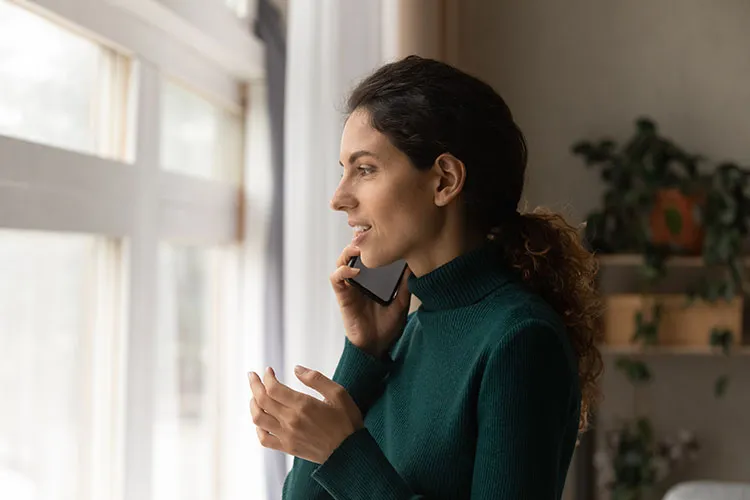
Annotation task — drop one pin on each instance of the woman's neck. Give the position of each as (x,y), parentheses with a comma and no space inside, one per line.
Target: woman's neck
(446,246)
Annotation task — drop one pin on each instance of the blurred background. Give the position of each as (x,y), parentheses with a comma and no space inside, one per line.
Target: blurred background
(165,171)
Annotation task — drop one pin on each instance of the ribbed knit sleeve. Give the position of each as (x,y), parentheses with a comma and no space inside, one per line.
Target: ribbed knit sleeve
(527,389)
(359,470)
(363,376)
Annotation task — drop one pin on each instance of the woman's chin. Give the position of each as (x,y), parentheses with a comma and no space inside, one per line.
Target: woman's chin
(368,260)
(373,261)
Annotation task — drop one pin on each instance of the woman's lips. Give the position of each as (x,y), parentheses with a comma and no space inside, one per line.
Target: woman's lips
(359,236)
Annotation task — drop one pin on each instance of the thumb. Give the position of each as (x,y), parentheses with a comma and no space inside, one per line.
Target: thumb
(316,380)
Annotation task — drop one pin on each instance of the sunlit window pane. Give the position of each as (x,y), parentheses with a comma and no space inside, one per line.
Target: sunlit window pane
(198,137)
(185,433)
(44,323)
(56,87)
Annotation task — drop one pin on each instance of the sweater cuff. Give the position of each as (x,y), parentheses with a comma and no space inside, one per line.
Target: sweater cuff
(362,375)
(358,470)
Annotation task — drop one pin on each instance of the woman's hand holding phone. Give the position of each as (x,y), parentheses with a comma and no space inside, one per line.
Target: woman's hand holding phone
(368,325)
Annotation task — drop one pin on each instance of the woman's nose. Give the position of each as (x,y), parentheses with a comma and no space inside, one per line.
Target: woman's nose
(342,200)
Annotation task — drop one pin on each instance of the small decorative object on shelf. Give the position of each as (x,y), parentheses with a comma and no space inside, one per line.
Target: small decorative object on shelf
(633,462)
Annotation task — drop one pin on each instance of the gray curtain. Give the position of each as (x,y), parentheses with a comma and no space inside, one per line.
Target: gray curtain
(270,29)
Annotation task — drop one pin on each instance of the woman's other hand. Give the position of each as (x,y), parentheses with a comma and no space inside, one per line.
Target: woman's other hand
(368,325)
(299,424)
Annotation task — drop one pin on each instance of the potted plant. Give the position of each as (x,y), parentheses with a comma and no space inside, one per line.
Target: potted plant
(634,463)
(652,196)
(657,204)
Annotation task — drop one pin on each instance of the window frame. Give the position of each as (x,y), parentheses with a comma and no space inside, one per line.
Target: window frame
(133,200)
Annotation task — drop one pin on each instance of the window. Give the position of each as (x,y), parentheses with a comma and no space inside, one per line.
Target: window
(95,304)
(57,293)
(194,310)
(59,88)
(200,138)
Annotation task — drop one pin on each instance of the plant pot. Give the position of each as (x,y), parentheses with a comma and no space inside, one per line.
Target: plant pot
(675,220)
(680,326)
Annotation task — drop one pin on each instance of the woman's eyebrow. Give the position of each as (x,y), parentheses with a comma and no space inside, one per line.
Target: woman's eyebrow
(359,154)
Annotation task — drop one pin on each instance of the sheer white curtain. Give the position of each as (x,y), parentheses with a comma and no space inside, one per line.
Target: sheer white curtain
(331,45)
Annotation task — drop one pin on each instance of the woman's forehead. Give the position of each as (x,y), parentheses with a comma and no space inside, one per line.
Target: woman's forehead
(359,135)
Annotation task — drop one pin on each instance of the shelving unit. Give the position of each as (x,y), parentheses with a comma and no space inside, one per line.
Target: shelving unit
(742,350)
(626,259)
(688,262)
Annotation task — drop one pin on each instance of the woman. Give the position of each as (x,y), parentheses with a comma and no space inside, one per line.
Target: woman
(483,391)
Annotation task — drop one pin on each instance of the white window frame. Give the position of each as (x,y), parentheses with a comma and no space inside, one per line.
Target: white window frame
(50,189)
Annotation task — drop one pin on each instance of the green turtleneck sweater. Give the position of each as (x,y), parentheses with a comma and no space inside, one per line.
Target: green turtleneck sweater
(479,398)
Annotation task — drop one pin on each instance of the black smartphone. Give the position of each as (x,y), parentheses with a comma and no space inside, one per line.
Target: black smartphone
(381,283)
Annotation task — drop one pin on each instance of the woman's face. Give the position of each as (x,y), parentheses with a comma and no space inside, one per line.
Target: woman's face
(388,201)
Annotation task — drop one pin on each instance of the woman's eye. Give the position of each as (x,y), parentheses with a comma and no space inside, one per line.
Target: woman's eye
(365,169)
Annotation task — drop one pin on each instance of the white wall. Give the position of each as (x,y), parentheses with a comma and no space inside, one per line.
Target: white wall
(587,68)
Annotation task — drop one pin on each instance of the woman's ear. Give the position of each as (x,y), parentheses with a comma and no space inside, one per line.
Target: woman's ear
(451,174)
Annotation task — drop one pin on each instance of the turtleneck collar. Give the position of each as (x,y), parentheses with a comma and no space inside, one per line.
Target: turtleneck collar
(463,281)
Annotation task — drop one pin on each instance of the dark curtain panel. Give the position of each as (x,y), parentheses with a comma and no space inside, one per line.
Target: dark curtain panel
(270,29)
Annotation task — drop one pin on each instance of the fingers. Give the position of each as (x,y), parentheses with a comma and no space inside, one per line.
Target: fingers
(340,275)
(264,400)
(346,255)
(267,440)
(280,393)
(343,271)
(316,380)
(262,419)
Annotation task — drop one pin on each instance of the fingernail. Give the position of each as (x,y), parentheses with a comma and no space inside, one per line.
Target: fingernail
(270,371)
(299,370)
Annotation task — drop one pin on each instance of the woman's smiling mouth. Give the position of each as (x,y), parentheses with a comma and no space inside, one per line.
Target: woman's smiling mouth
(360,231)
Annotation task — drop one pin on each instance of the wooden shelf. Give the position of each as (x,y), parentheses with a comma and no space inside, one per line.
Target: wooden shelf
(627,259)
(742,350)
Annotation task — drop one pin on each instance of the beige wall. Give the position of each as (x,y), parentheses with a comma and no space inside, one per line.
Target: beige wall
(582,69)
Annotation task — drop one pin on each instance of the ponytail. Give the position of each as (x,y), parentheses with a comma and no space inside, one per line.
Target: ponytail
(551,259)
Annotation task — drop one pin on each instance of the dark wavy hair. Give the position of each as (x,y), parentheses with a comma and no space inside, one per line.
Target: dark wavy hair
(427,108)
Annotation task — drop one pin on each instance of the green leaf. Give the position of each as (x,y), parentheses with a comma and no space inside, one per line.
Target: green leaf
(635,371)
(721,337)
(645,125)
(729,212)
(720,386)
(645,429)
(673,218)
(729,290)
(713,291)
(690,298)
(735,269)
(582,148)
